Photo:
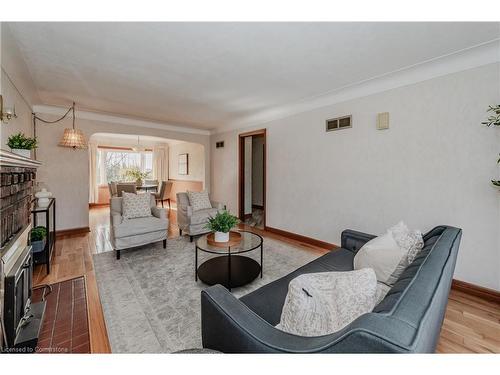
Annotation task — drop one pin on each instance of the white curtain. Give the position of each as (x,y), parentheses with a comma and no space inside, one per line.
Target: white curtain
(93,170)
(160,162)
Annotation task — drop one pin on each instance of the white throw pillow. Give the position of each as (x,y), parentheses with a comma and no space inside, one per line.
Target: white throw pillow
(199,200)
(411,241)
(322,303)
(136,205)
(385,256)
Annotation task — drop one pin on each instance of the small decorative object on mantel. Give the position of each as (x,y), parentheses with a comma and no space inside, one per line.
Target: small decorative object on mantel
(21,145)
(494,120)
(222,224)
(43,197)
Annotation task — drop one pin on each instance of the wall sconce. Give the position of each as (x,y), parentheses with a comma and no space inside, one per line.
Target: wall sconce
(6,114)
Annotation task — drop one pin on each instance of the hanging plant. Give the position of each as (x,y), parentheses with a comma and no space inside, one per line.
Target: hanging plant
(494,120)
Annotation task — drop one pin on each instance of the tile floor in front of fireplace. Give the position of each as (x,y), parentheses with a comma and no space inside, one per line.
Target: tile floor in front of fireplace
(65,326)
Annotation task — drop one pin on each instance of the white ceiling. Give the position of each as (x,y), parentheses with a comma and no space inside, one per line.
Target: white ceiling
(210,75)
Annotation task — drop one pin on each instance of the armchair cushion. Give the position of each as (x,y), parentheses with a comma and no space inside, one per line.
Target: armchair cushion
(139,226)
(201,216)
(136,205)
(199,200)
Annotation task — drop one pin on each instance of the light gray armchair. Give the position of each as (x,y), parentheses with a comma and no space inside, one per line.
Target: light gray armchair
(192,222)
(127,233)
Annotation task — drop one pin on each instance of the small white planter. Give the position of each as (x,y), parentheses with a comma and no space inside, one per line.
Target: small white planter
(221,237)
(21,152)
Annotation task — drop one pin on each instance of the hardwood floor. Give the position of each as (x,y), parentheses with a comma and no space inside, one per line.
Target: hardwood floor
(471,325)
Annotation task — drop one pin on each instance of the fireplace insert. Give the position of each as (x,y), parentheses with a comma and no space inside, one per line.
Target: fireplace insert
(18,286)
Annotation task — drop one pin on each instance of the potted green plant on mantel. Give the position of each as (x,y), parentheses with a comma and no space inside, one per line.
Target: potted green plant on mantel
(136,174)
(38,236)
(494,120)
(222,224)
(21,145)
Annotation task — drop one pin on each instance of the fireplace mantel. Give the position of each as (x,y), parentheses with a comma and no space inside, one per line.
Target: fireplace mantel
(10,159)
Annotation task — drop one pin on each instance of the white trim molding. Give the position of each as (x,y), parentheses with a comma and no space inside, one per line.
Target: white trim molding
(116,119)
(469,58)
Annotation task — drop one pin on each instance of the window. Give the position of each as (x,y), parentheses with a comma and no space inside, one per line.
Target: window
(113,164)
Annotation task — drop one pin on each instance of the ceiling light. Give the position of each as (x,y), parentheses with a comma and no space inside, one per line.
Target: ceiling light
(138,147)
(73,138)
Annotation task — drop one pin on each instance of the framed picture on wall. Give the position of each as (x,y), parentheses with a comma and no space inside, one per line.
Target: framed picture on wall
(183,164)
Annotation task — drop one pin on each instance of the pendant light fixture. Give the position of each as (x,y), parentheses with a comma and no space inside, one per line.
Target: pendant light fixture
(138,147)
(73,138)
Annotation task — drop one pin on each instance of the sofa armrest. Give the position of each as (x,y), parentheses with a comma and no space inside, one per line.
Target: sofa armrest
(353,240)
(217,205)
(160,213)
(116,219)
(229,326)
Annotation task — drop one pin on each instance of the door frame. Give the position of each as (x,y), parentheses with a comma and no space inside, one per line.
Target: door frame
(241,172)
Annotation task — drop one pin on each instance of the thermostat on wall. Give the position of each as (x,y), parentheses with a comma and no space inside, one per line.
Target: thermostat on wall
(383,121)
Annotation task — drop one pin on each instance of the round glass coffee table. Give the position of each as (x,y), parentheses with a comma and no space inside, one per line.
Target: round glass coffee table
(229,268)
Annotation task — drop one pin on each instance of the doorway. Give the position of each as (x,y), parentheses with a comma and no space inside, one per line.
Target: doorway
(252,178)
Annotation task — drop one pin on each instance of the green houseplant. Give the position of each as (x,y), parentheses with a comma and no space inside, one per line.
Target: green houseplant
(222,224)
(494,120)
(136,174)
(38,236)
(22,145)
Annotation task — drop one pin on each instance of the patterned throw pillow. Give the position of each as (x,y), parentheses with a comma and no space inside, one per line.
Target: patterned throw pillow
(384,256)
(410,241)
(199,200)
(136,205)
(322,303)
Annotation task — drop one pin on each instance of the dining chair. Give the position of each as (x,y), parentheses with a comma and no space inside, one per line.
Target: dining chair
(151,182)
(126,187)
(112,189)
(164,193)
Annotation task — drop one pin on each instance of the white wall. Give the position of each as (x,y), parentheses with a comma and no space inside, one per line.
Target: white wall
(13,65)
(433,166)
(65,171)
(196,160)
(258,170)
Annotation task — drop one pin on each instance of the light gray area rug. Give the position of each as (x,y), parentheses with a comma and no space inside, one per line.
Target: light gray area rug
(151,301)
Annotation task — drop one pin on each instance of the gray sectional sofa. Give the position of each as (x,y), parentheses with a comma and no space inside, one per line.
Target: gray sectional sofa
(407,320)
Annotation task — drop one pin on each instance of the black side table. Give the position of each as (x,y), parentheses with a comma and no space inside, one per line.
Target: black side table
(49,211)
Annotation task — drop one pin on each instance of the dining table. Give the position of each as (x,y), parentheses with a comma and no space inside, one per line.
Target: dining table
(147,187)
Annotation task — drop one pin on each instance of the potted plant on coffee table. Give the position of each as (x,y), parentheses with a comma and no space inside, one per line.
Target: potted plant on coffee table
(21,145)
(222,224)
(38,238)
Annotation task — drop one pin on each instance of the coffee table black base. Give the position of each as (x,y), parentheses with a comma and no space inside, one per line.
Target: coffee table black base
(216,271)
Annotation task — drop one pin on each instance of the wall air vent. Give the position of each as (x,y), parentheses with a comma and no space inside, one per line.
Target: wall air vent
(338,123)
(219,144)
